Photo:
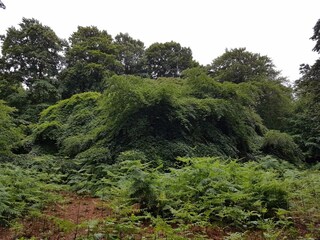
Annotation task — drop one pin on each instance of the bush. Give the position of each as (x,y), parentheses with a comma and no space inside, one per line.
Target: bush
(282,146)
(10,135)
(47,133)
(208,189)
(131,155)
(202,190)
(94,155)
(65,125)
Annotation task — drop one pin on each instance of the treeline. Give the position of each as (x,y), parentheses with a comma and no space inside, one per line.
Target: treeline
(97,97)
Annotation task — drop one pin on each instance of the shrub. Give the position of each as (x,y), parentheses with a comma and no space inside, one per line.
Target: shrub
(94,155)
(47,133)
(10,135)
(281,145)
(131,155)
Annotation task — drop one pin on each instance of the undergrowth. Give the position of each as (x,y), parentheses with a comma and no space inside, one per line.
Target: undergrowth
(271,196)
(200,199)
(25,190)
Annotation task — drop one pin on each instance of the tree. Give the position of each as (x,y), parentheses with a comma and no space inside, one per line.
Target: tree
(31,60)
(256,77)
(131,53)
(239,65)
(32,52)
(309,84)
(306,121)
(282,145)
(12,92)
(272,101)
(91,56)
(316,36)
(168,59)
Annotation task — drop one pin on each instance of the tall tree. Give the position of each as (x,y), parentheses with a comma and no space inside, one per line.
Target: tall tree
(316,36)
(256,75)
(131,53)
(239,65)
(272,101)
(91,56)
(168,59)
(306,122)
(31,60)
(309,84)
(32,52)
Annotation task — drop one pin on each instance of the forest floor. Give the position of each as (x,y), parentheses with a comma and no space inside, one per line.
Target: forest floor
(66,220)
(70,218)
(61,220)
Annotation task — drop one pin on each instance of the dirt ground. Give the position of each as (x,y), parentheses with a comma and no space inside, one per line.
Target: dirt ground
(59,221)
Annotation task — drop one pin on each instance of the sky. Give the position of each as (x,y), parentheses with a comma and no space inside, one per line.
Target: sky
(280,29)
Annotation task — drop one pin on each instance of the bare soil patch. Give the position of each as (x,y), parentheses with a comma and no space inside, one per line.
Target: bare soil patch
(65,220)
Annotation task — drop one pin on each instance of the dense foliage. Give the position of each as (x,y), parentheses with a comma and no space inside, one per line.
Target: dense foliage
(174,149)
(163,119)
(23,192)
(10,134)
(306,121)
(238,65)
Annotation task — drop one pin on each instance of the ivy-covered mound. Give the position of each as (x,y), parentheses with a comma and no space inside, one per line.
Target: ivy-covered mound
(162,119)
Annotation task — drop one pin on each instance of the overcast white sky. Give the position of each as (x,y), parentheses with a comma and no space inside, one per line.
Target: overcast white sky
(278,28)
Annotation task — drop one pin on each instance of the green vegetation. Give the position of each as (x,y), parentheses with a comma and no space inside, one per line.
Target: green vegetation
(172,149)
(26,190)
(10,134)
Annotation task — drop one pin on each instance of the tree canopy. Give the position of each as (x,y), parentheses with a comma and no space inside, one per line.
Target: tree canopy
(168,59)
(91,56)
(306,121)
(32,52)
(131,54)
(239,65)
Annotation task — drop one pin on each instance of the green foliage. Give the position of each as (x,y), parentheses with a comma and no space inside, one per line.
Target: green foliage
(204,190)
(23,191)
(157,151)
(131,53)
(273,103)
(259,85)
(91,56)
(47,133)
(32,52)
(10,134)
(131,155)
(65,125)
(94,155)
(43,92)
(305,123)
(162,119)
(12,92)
(156,117)
(210,190)
(316,36)
(238,65)
(31,57)
(168,59)
(282,145)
